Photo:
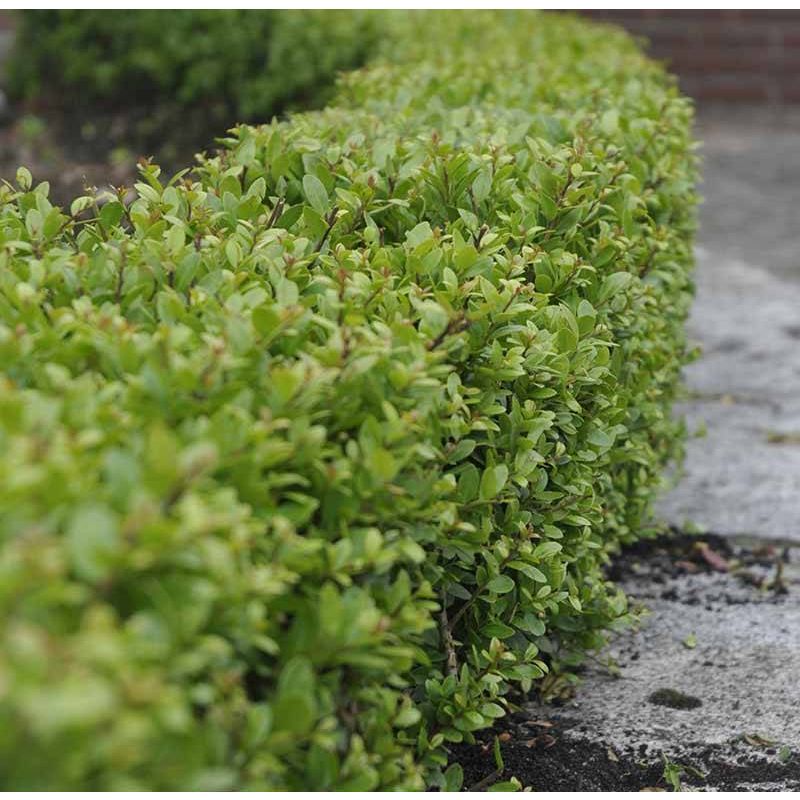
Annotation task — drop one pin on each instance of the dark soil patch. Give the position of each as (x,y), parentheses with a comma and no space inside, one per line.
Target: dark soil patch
(793,331)
(552,762)
(549,759)
(654,562)
(74,150)
(671,555)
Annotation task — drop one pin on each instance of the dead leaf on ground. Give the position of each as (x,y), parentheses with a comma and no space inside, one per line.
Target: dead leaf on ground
(757,740)
(712,557)
(544,740)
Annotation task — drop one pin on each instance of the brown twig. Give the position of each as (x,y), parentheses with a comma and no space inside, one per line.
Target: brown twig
(123,258)
(487,781)
(447,641)
(456,325)
(276,213)
(331,221)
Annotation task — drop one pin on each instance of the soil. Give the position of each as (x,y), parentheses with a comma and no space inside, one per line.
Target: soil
(74,150)
(653,562)
(559,762)
(672,698)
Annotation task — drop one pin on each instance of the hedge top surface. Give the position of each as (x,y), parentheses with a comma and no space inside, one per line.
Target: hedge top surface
(312,456)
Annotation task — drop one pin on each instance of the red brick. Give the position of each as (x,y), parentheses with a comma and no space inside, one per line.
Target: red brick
(790,92)
(758,32)
(790,35)
(722,60)
(736,55)
(750,89)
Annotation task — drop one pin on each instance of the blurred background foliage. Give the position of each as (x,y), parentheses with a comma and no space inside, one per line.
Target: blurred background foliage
(112,87)
(249,65)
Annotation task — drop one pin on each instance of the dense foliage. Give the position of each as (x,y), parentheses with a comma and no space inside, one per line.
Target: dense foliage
(238,65)
(312,457)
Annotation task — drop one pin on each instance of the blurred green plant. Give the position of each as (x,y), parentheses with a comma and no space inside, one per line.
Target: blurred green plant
(243,64)
(312,458)
(31,129)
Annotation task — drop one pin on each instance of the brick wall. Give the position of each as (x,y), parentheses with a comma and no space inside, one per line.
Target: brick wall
(735,56)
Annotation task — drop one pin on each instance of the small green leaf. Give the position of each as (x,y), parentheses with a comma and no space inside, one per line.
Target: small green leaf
(316,194)
(453,778)
(419,234)
(613,284)
(92,541)
(469,721)
(111,214)
(482,186)
(511,785)
(407,716)
(294,709)
(531,623)
(24,178)
(493,711)
(493,481)
(609,121)
(461,451)
(468,483)
(80,204)
(34,223)
(501,584)
(546,550)
(286,292)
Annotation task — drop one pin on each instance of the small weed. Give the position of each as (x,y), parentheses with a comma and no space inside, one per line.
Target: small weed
(783,437)
(674,773)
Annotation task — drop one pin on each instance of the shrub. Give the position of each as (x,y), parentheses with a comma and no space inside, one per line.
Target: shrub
(313,457)
(240,64)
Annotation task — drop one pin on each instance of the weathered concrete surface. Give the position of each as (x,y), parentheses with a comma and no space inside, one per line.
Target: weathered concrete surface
(743,669)
(743,477)
(751,183)
(746,386)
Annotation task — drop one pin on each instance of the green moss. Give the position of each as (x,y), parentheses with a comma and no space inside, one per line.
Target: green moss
(671,698)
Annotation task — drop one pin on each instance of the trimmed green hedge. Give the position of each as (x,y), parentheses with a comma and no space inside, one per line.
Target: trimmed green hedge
(312,458)
(237,64)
